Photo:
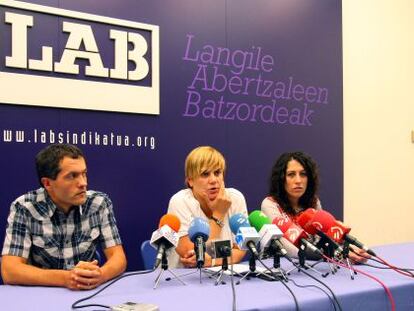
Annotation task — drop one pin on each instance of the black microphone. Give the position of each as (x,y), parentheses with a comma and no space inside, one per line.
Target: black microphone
(353,240)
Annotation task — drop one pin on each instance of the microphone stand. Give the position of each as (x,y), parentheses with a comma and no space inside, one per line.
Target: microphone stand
(220,273)
(222,250)
(252,269)
(275,251)
(329,249)
(345,255)
(198,248)
(303,264)
(164,266)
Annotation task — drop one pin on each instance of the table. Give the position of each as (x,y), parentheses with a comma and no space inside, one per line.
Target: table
(254,294)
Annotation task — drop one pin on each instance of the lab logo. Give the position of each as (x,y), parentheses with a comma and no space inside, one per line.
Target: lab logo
(59,58)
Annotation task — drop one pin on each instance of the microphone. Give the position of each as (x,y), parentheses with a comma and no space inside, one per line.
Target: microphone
(305,220)
(353,240)
(246,236)
(165,236)
(339,232)
(295,234)
(318,222)
(269,233)
(221,248)
(198,233)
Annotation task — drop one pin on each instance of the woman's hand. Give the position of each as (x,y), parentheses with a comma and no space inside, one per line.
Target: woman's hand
(190,260)
(221,204)
(358,255)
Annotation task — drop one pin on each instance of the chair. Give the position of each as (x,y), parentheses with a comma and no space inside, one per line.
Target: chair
(148,254)
(1,280)
(98,257)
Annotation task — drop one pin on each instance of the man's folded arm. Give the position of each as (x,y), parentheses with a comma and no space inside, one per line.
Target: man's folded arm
(15,270)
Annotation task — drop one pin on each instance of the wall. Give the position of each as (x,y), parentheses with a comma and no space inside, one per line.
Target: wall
(261,113)
(378,50)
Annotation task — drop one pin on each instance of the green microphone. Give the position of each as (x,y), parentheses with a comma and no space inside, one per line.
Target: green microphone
(258,219)
(269,234)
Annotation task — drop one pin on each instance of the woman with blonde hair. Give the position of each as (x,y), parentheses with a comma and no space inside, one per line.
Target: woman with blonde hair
(207,197)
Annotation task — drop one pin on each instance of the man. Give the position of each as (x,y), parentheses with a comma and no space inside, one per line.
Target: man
(52,232)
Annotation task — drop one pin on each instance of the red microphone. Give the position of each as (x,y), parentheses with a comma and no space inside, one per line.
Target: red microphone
(323,221)
(337,231)
(305,220)
(294,233)
(291,232)
(318,222)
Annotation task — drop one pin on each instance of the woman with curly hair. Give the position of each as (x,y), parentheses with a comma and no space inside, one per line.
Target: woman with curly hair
(294,184)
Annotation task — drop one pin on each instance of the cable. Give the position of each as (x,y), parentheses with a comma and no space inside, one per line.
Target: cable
(402,271)
(399,268)
(317,287)
(74,305)
(293,294)
(406,273)
(383,267)
(317,280)
(382,263)
(283,282)
(233,289)
(387,290)
(374,266)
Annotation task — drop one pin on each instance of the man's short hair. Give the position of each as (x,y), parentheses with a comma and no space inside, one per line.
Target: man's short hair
(48,159)
(201,159)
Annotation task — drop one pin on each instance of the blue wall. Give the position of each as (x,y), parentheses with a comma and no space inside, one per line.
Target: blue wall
(292,56)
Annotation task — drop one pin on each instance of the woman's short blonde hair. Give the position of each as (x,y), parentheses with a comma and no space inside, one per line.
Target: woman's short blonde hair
(201,159)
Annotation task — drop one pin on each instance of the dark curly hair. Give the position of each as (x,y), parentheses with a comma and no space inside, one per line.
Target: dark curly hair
(278,177)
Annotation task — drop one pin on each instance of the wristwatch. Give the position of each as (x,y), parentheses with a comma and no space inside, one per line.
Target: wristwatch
(219,222)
